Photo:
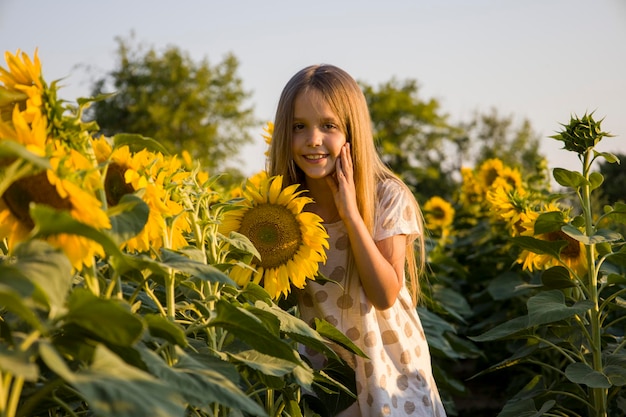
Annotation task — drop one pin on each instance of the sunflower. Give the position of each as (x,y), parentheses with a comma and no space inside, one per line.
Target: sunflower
(573,256)
(55,188)
(438,213)
(489,171)
(151,175)
(507,205)
(290,242)
(471,193)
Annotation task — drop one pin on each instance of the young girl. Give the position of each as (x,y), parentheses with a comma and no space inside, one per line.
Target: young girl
(323,140)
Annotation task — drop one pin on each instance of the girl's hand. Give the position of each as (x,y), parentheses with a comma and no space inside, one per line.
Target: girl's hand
(342,186)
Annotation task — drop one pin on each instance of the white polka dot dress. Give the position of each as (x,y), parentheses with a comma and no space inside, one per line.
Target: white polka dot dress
(397,378)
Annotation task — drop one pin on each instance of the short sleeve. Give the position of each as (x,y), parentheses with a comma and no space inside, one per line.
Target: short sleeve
(396,212)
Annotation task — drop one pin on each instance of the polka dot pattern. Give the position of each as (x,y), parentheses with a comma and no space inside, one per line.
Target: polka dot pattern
(397,379)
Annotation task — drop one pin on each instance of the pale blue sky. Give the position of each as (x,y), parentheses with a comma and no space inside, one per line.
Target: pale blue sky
(538,59)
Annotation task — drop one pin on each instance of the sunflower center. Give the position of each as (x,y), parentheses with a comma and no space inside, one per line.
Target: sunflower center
(274,231)
(32,189)
(115,184)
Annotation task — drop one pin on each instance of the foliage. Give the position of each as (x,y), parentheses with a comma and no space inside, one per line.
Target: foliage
(184,105)
(570,340)
(413,135)
(127,308)
(417,140)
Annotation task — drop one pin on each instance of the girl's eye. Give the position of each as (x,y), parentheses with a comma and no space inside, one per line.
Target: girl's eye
(330,126)
(298,126)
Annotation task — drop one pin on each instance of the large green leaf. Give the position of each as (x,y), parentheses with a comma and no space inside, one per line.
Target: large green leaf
(436,329)
(49,269)
(329,331)
(506,286)
(503,330)
(549,306)
(581,373)
(164,328)
(107,319)
(557,277)
(112,388)
(549,222)
(197,269)
(297,329)
(200,385)
(266,364)
(249,329)
(18,363)
(552,248)
(601,236)
(49,221)
(13,301)
(128,217)
(525,408)
(568,178)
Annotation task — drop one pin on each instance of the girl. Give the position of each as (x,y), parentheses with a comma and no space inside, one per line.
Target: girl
(323,140)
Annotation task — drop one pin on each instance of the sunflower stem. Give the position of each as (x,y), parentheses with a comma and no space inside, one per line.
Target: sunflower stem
(14,396)
(599,395)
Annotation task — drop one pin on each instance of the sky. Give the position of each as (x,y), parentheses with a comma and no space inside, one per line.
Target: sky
(540,60)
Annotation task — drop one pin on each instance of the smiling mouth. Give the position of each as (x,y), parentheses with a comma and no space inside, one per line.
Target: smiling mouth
(315,157)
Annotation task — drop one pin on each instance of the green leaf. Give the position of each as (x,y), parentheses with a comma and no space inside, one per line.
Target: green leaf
(266,364)
(581,373)
(9,149)
(331,332)
(551,221)
(568,178)
(506,286)
(196,269)
(198,383)
(297,329)
(525,408)
(112,388)
(138,143)
(241,243)
(601,236)
(18,363)
(596,179)
(552,248)
(249,329)
(453,302)
(128,217)
(557,277)
(13,301)
(49,269)
(49,221)
(503,330)
(162,327)
(108,320)
(549,306)
(608,156)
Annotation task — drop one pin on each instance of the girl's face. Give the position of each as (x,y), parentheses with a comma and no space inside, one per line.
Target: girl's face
(317,137)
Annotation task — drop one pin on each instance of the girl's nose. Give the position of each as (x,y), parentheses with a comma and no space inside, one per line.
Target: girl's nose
(315,137)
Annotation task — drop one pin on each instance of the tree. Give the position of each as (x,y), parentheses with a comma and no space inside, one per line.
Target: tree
(184,105)
(413,135)
(493,136)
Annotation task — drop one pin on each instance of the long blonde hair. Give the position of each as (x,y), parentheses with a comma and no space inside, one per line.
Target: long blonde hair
(347,101)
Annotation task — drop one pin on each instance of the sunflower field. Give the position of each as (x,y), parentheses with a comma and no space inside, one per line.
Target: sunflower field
(133,283)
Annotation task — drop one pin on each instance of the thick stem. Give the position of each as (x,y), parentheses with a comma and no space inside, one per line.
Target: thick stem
(599,395)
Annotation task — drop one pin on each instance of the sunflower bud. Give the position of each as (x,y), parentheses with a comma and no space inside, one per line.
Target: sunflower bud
(581,134)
